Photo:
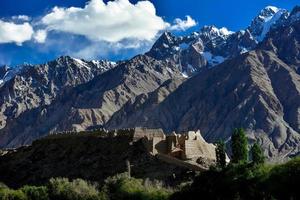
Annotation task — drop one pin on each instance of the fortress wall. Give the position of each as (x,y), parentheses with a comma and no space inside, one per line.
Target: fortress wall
(149,133)
(196,148)
(191,149)
(192,144)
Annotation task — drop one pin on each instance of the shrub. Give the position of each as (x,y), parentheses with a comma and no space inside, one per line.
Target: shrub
(78,189)
(123,187)
(35,193)
(283,181)
(8,194)
(3,186)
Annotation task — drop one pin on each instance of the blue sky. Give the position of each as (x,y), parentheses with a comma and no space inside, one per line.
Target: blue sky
(62,37)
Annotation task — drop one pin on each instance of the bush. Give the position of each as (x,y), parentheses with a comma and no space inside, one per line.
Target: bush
(35,193)
(121,187)
(63,189)
(3,186)
(246,181)
(283,181)
(8,194)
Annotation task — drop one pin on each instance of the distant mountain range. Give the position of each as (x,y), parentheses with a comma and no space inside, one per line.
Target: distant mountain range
(213,80)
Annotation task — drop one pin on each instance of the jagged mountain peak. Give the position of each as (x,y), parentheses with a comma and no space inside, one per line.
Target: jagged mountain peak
(295,10)
(68,63)
(215,45)
(166,39)
(167,35)
(66,60)
(295,14)
(268,11)
(268,18)
(214,31)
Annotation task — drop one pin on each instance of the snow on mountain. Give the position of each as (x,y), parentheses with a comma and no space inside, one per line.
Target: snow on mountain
(82,63)
(212,59)
(212,46)
(212,33)
(272,8)
(206,48)
(267,18)
(268,22)
(7,73)
(225,31)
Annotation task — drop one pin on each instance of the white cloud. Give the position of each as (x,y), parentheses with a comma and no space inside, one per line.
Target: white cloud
(15,33)
(183,25)
(21,18)
(40,36)
(104,49)
(111,22)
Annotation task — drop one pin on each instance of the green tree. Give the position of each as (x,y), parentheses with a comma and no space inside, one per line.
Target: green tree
(257,154)
(239,146)
(221,154)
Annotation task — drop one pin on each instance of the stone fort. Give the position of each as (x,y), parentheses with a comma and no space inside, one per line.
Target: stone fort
(184,146)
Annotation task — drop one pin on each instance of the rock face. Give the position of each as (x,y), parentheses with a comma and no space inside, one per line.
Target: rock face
(284,41)
(207,48)
(28,88)
(213,80)
(212,46)
(89,105)
(270,17)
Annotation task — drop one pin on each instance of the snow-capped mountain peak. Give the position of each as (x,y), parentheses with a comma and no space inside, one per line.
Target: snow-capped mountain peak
(269,11)
(267,18)
(225,31)
(212,45)
(212,32)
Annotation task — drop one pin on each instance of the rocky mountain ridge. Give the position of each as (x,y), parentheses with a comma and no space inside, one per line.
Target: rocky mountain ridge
(90,105)
(212,46)
(30,87)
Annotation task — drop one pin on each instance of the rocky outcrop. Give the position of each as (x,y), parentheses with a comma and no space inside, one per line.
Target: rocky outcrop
(285,42)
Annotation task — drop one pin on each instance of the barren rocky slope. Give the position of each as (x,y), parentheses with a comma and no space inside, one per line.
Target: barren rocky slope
(29,86)
(90,105)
